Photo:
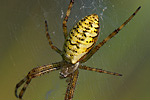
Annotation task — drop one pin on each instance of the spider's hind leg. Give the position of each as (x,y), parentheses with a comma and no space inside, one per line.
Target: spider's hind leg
(66,18)
(49,39)
(98,70)
(116,31)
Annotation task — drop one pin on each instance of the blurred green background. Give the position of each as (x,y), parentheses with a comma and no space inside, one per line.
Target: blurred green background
(23,46)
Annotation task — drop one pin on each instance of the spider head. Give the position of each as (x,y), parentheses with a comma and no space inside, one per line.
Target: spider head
(67,68)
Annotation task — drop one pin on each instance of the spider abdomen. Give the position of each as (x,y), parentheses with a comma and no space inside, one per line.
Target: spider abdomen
(81,38)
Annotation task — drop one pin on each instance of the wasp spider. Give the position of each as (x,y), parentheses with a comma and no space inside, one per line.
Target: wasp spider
(78,47)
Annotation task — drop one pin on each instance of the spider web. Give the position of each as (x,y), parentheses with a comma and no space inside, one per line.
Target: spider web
(30,50)
(24,46)
(81,8)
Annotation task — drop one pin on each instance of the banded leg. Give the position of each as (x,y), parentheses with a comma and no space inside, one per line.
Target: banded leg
(97,47)
(35,72)
(49,40)
(66,18)
(98,70)
(71,85)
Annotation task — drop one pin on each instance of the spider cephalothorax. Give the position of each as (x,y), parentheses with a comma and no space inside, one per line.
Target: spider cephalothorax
(78,47)
(67,68)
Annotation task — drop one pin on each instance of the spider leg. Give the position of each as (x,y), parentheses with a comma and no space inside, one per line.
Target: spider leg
(71,85)
(35,72)
(49,39)
(66,18)
(97,47)
(98,70)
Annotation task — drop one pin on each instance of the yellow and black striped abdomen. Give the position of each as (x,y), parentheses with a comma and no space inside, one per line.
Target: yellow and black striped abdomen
(81,39)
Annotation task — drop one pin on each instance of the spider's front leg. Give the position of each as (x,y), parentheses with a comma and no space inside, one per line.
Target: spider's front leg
(71,85)
(35,72)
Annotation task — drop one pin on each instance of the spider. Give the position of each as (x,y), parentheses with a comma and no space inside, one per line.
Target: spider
(78,47)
